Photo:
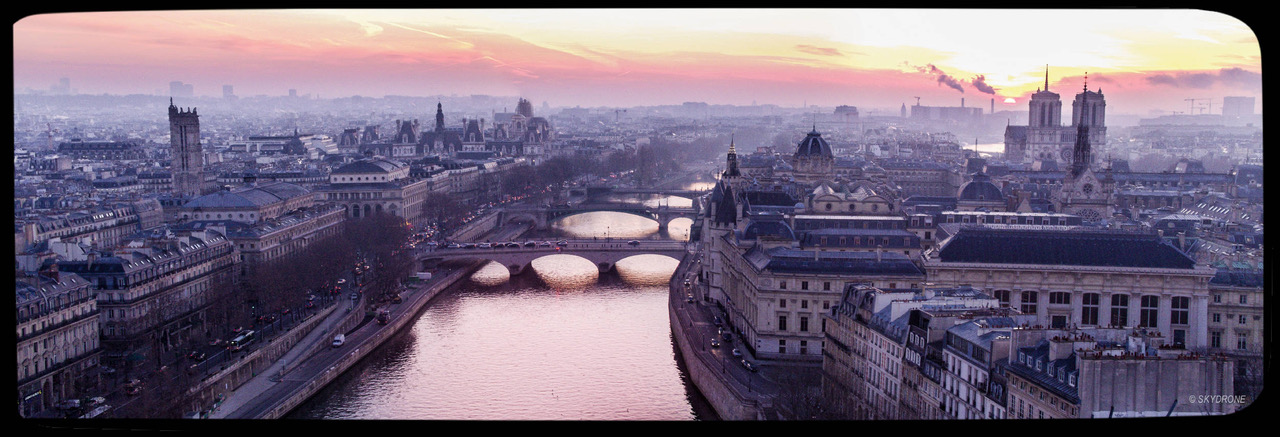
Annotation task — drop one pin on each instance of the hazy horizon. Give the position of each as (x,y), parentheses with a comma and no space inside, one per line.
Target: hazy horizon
(1144,61)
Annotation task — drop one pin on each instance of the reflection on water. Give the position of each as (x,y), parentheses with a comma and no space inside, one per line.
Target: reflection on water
(700,186)
(563,342)
(605,224)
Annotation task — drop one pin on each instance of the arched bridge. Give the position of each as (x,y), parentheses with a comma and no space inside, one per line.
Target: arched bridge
(541,216)
(604,253)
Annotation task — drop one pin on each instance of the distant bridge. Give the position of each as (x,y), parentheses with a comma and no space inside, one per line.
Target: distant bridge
(541,216)
(604,253)
(603,190)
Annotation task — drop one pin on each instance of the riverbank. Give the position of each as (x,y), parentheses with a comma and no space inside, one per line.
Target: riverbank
(708,372)
(274,394)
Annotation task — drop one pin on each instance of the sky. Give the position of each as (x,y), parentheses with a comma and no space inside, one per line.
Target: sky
(1144,61)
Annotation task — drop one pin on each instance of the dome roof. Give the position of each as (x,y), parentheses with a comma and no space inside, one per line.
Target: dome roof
(980,189)
(813,145)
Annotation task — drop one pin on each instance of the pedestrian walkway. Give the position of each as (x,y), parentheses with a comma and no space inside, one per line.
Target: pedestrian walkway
(267,378)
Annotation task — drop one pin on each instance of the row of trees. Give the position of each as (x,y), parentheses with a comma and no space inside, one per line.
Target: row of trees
(261,288)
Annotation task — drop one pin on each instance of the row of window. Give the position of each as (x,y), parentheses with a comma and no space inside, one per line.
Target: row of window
(1148,311)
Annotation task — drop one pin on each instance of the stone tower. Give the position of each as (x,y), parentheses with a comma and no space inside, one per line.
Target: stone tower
(187,158)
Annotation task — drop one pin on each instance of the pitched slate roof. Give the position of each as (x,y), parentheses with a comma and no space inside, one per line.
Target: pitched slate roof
(1063,247)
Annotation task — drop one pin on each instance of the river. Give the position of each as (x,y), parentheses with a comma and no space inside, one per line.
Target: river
(559,342)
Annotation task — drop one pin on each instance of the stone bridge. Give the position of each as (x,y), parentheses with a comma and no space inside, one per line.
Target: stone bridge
(604,253)
(542,216)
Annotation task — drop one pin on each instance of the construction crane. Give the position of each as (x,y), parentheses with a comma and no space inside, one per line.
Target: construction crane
(917,100)
(1193,105)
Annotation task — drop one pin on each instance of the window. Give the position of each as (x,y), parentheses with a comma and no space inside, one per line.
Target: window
(1089,309)
(1242,341)
(1120,310)
(1060,298)
(1215,339)
(1003,297)
(1217,318)
(804,285)
(804,304)
(1242,319)
(1180,308)
(1147,314)
(804,347)
(1244,299)
(782,303)
(1058,321)
(826,286)
(1217,298)
(782,346)
(782,285)
(826,305)
(804,324)
(782,323)
(1028,302)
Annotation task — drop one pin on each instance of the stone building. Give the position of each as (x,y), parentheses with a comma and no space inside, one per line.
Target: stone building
(1110,373)
(1081,277)
(151,291)
(57,332)
(374,186)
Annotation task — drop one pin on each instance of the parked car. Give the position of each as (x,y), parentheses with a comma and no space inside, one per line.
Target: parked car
(633,243)
(484,245)
(530,244)
(717,320)
(133,387)
(737,352)
(750,366)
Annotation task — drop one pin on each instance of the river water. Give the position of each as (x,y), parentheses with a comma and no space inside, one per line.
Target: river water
(559,342)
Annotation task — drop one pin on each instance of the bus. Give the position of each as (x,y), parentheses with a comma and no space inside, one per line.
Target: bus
(244,339)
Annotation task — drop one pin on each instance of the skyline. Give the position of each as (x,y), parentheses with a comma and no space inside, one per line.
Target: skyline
(1145,61)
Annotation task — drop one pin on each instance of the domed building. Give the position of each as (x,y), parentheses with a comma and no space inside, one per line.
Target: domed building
(813,160)
(980,193)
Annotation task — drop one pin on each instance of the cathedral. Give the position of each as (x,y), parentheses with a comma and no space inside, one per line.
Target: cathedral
(1045,141)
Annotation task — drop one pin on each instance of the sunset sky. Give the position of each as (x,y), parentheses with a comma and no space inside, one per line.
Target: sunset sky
(1143,60)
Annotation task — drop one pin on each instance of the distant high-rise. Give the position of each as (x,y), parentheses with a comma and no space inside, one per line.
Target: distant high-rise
(179,89)
(227,92)
(1237,106)
(293,92)
(186,156)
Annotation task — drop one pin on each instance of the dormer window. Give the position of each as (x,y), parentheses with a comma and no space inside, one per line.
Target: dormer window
(1071,380)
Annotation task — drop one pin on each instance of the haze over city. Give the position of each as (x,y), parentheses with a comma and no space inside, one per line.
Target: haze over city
(1148,61)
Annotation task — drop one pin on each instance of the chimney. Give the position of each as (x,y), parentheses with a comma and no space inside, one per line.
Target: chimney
(993,106)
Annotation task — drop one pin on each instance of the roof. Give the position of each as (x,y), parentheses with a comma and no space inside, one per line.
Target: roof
(376,165)
(249,197)
(813,145)
(1062,247)
(785,260)
(980,189)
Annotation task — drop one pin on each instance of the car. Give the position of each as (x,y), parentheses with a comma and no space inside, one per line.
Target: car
(562,243)
(133,387)
(689,298)
(726,336)
(237,330)
(342,281)
(355,296)
(395,298)
(484,245)
(452,246)
(339,339)
(715,343)
(544,244)
(469,246)
(633,243)
(530,244)
(750,366)
(310,304)
(284,311)
(737,352)
(196,355)
(717,320)
(216,342)
(513,245)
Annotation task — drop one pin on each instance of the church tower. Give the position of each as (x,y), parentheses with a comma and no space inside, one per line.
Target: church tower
(1043,135)
(1090,109)
(1083,193)
(186,157)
